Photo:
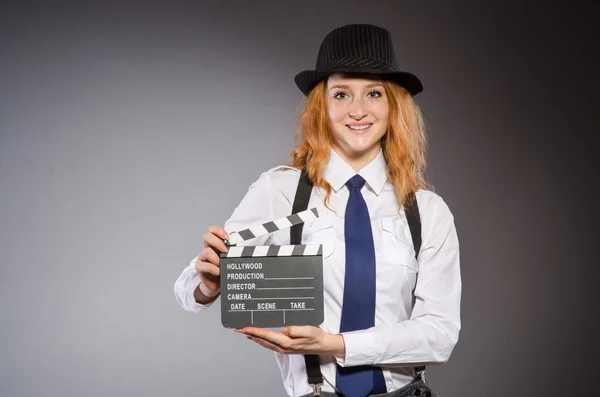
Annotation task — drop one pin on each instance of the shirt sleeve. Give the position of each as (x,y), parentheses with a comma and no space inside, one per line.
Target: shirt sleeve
(184,289)
(431,333)
(255,208)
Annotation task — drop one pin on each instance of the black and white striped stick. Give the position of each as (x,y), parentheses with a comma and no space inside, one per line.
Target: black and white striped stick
(273,250)
(273,226)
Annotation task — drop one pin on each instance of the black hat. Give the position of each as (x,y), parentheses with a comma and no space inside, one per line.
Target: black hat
(357,49)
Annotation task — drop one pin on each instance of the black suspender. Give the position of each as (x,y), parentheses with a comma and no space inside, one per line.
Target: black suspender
(313,365)
(411,209)
(300,204)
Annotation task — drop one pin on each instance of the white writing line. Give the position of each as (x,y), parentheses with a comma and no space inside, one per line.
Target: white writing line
(289,278)
(267,310)
(288,288)
(300,297)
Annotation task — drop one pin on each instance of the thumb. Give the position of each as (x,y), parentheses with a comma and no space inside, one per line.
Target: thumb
(298,331)
(285,330)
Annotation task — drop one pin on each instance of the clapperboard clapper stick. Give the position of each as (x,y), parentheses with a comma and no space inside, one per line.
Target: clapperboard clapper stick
(274,285)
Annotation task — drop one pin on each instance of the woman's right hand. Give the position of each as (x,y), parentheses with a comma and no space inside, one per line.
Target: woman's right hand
(207,263)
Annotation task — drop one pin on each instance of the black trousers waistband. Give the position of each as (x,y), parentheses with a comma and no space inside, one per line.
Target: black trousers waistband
(415,388)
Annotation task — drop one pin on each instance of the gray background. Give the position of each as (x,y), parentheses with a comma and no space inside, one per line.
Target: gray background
(126,129)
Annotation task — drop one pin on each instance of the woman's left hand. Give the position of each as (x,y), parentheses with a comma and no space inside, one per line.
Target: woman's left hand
(297,340)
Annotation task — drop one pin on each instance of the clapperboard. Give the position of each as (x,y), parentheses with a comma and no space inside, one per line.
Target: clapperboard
(274,285)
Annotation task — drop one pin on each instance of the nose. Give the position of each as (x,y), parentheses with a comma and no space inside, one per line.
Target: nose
(357,109)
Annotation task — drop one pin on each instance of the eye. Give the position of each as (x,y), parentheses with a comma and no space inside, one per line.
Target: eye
(375,94)
(339,95)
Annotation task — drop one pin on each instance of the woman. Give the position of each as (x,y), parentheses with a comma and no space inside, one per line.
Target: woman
(362,146)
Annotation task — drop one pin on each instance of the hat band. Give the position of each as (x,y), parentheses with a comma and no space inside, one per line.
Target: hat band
(350,63)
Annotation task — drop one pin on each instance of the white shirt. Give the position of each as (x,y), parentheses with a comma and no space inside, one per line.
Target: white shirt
(403,335)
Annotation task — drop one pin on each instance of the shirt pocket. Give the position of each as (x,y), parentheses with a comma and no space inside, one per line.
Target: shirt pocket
(321,231)
(395,245)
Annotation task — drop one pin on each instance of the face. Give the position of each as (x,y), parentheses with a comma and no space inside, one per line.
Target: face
(358,116)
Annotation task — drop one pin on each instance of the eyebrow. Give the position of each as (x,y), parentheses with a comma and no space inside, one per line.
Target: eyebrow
(344,86)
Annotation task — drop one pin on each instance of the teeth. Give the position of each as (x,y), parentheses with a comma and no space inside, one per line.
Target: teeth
(359,127)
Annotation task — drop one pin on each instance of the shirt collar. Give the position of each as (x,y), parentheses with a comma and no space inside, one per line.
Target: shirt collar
(338,172)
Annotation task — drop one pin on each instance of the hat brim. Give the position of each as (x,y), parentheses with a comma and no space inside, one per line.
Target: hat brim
(308,79)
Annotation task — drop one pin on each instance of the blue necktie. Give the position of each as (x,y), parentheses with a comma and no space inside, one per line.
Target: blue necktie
(358,310)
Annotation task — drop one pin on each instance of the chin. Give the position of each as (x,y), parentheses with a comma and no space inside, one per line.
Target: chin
(362,145)
(361,149)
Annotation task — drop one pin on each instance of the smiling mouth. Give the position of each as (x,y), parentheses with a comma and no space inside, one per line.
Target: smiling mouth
(363,127)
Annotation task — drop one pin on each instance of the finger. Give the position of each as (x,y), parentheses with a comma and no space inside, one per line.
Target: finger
(218,231)
(209,255)
(296,331)
(260,332)
(210,283)
(273,337)
(207,268)
(212,240)
(266,344)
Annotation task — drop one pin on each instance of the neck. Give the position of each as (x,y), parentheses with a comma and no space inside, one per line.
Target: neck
(358,160)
